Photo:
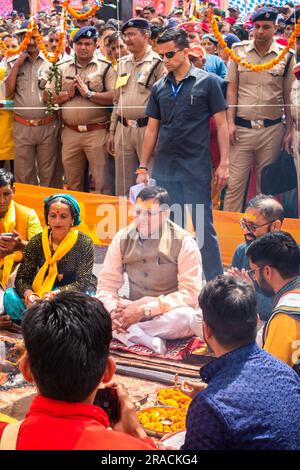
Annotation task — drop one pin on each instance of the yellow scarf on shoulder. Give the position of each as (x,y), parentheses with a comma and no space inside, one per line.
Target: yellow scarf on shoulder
(8,261)
(42,284)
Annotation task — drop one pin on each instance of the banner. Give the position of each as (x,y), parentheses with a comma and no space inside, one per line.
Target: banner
(162,7)
(47,5)
(6,6)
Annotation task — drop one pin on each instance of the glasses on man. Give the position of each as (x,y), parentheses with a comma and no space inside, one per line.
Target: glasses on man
(170,54)
(252,226)
(251,272)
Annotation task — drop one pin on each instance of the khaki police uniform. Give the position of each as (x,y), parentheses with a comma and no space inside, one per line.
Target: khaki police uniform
(295,109)
(133,87)
(35,133)
(79,115)
(260,106)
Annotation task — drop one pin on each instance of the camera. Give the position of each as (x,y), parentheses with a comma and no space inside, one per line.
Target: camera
(107,399)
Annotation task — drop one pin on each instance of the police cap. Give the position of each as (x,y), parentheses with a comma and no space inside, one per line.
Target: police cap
(88,32)
(265,14)
(139,23)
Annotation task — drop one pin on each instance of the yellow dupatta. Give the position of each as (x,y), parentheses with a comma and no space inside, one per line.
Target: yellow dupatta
(8,261)
(42,284)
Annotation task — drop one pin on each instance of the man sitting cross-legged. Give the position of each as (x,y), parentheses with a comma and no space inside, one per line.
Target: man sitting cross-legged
(164,269)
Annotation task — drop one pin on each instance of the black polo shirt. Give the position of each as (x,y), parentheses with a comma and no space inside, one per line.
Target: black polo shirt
(182,151)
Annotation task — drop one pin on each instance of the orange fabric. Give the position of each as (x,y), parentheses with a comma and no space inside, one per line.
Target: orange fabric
(104,215)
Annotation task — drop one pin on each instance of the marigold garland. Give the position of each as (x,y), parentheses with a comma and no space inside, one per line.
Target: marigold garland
(11,52)
(59,48)
(238,60)
(81,16)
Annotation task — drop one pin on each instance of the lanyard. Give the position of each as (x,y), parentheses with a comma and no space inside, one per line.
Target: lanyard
(176,90)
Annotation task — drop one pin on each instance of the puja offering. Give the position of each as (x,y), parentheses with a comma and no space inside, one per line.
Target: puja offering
(158,421)
(173,396)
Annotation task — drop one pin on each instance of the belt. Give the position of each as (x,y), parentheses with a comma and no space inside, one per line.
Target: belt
(142,122)
(35,122)
(258,124)
(87,127)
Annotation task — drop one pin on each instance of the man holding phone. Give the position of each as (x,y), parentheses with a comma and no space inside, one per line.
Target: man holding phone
(18,224)
(67,357)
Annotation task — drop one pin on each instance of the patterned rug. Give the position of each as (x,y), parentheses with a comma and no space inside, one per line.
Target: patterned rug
(177,350)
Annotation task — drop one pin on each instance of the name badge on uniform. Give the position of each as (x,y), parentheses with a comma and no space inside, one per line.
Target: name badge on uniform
(122,80)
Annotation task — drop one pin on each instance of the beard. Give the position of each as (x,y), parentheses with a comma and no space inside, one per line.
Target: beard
(209,350)
(265,286)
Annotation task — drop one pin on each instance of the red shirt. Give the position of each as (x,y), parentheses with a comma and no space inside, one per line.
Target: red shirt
(59,425)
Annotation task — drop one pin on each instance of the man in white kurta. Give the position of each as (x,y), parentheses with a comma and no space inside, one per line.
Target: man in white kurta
(164,269)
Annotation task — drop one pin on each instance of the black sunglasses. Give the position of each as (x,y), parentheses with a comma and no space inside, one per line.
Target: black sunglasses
(170,54)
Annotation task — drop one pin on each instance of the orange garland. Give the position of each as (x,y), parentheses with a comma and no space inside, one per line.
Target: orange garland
(42,47)
(238,60)
(58,51)
(11,52)
(80,16)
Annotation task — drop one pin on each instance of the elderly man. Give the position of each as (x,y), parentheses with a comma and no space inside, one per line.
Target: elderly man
(263,215)
(163,265)
(18,224)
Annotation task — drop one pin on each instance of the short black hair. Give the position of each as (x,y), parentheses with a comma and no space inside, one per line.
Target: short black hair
(151,9)
(156,31)
(67,340)
(154,192)
(278,250)
(179,36)
(106,27)
(268,206)
(229,309)
(6,177)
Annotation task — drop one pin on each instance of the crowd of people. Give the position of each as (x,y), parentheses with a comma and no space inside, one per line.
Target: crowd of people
(155,96)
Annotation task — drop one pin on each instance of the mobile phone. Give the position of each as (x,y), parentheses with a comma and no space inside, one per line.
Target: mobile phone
(107,399)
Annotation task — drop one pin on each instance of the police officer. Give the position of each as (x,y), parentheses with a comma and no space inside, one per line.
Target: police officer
(87,92)
(136,75)
(295,100)
(35,133)
(256,102)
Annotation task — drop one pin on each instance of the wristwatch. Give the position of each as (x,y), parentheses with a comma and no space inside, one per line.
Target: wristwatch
(147,313)
(90,94)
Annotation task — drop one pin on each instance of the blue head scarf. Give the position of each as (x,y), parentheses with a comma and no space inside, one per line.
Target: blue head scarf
(49,200)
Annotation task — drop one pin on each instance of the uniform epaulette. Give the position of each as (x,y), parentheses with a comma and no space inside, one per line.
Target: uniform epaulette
(240,44)
(125,57)
(64,60)
(105,61)
(157,56)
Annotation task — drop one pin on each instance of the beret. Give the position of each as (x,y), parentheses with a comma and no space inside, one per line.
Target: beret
(85,32)
(139,23)
(265,14)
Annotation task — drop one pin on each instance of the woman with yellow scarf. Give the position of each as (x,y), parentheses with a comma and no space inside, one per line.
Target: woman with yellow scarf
(61,258)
